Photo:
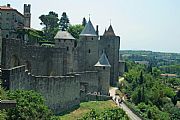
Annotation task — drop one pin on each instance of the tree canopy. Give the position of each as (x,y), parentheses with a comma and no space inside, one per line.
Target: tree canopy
(30,105)
(75,30)
(51,23)
(64,22)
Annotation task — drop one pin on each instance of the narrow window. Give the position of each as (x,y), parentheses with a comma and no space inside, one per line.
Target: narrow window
(67,48)
(103,68)
(91,38)
(7,36)
(89,51)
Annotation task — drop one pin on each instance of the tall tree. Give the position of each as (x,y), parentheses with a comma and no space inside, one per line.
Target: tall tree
(84,22)
(64,22)
(141,78)
(51,23)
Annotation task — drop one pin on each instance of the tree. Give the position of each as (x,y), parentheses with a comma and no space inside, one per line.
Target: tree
(51,23)
(3,96)
(178,94)
(75,30)
(64,22)
(84,22)
(125,67)
(30,105)
(141,78)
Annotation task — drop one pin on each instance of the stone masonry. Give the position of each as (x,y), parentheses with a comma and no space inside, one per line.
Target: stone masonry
(64,73)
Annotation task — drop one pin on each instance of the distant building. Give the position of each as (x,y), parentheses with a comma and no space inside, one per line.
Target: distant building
(142,62)
(169,75)
(11,20)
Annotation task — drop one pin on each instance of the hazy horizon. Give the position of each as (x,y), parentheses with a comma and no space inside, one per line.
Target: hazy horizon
(142,25)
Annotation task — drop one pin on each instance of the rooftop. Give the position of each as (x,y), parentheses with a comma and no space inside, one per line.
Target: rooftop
(103,61)
(109,32)
(8,7)
(88,30)
(64,35)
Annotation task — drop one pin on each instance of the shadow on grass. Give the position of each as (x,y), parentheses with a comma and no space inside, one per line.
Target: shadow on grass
(69,111)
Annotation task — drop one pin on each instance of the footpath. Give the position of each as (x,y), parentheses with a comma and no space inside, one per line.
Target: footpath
(119,102)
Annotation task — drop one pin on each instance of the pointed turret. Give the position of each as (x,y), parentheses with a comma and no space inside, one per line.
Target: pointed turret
(103,61)
(105,32)
(88,30)
(110,31)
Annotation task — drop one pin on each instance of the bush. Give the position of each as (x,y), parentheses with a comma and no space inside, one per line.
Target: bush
(110,114)
(30,105)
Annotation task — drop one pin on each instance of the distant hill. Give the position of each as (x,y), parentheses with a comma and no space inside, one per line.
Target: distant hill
(156,58)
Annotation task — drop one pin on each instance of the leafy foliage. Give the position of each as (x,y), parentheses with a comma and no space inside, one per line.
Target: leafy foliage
(51,23)
(149,92)
(3,96)
(75,30)
(30,105)
(110,114)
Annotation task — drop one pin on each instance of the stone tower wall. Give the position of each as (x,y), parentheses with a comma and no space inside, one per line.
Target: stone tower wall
(88,53)
(27,15)
(111,45)
(68,46)
(104,79)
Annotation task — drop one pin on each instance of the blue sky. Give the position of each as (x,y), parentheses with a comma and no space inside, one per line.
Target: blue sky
(141,24)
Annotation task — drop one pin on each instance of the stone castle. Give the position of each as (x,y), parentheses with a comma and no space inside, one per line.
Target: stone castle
(64,74)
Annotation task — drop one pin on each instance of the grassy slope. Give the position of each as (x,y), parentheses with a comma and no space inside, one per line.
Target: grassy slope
(86,107)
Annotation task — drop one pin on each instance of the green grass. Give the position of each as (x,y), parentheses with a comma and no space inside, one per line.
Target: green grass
(86,107)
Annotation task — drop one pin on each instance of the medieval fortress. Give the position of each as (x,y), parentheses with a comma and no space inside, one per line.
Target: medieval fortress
(64,74)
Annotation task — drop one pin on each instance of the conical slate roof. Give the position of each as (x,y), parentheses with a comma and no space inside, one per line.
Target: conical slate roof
(88,30)
(110,31)
(105,32)
(103,61)
(64,35)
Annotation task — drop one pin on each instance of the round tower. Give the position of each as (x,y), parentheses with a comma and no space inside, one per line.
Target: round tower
(103,68)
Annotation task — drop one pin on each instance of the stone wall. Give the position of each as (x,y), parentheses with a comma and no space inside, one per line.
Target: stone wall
(60,92)
(90,78)
(38,60)
(96,97)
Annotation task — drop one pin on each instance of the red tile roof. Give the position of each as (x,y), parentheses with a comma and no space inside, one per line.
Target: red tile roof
(6,8)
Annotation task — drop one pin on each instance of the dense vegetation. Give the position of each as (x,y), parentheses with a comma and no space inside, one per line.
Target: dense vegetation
(150,95)
(109,114)
(30,106)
